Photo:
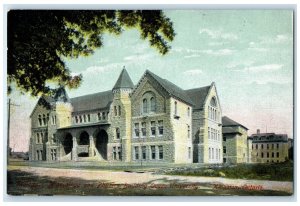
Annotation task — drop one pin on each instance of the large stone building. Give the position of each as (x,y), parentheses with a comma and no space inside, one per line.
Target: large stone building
(235,144)
(153,121)
(269,147)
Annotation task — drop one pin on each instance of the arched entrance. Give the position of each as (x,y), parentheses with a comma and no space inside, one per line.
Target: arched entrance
(83,144)
(68,143)
(101,141)
(83,139)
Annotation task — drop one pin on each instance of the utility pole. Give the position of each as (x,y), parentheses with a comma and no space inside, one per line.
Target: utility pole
(8,126)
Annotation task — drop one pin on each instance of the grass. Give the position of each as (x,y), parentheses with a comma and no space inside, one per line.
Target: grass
(275,171)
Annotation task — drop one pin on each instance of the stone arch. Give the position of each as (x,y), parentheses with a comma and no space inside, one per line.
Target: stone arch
(101,140)
(83,138)
(67,143)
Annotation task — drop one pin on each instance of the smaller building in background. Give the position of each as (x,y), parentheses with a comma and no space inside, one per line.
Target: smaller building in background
(235,144)
(269,147)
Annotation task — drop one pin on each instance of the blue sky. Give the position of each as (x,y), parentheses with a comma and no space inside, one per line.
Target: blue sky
(248,54)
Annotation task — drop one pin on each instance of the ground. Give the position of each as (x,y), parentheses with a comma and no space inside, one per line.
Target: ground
(104,179)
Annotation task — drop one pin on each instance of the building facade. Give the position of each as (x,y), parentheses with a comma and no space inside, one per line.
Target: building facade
(153,121)
(269,147)
(235,143)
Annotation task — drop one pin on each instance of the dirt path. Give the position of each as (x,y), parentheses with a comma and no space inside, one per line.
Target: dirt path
(117,177)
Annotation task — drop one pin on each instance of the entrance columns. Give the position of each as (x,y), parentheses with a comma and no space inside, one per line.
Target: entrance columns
(92,146)
(74,149)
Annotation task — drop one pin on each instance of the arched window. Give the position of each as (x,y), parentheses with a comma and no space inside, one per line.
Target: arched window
(212,109)
(119,110)
(152,104)
(44,119)
(145,106)
(40,120)
(118,133)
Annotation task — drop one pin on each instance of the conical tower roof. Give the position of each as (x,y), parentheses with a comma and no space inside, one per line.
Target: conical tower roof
(123,81)
(61,95)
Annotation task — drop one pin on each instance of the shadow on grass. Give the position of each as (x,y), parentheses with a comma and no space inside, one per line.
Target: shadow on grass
(25,183)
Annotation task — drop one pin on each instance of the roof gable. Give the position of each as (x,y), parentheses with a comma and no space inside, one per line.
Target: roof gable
(227,122)
(198,96)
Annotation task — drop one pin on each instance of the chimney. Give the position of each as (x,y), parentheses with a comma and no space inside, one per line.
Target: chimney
(258,131)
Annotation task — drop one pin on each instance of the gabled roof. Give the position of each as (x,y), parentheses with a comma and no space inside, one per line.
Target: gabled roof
(198,96)
(92,101)
(227,122)
(171,88)
(123,81)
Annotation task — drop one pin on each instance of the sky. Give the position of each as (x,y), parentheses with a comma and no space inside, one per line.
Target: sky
(247,53)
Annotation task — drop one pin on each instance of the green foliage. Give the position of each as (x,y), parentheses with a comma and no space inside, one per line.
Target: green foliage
(39,39)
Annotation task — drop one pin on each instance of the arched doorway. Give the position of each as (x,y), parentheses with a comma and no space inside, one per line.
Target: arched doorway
(83,139)
(101,141)
(68,143)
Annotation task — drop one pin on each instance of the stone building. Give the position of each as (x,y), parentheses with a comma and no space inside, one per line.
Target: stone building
(235,144)
(153,121)
(269,147)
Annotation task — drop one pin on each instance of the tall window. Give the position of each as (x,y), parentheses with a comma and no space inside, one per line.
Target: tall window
(114,153)
(212,153)
(160,152)
(209,153)
(152,104)
(143,152)
(224,149)
(153,128)
(37,138)
(118,133)
(99,116)
(160,127)
(89,117)
(262,155)
(44,119)
(209,134)
(120,153)
(189,131)
(136,153)
(137,129)
(277,154)
(40,120)
(262,146)
(143,129)
(217,155)
(103,116)
(153,152)
(145,106)
(175,108)
(41,137)
(115,110)
(277,146)
(188,111)
(212,109)
(84,118)
(119,110)
(80,118)
(189,152)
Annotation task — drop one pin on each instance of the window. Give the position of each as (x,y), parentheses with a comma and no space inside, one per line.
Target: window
(44,119)
(224,149)
(119,110)
(277,146)
(272,154)
(188,111)
(212,153)
(153,128)
(53,139)
(272,146)
(41,138)
(115,110)
(153,152)
(119,153)
(114,153)
(209,153)
(53,154)
(224,160)
(217,155)
(143,152)
(160,152)
(189,152)
(137,129)
(209,133)
(145,108)
(37,138)
(118,133)
(212,111)
(152,104)
(256,146)
(277,154)
(40,120)
(267,146)
(76,119)
(262,146)
(262,155)
(160,127)
(268,155)
(103,115)
(143,129)
(80,118)
(84,118)
(175,109)
(99,116)
(189,131)
(38,155)
(89,117)
(136,153)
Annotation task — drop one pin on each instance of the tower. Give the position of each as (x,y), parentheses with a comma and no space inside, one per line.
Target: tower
(121,114)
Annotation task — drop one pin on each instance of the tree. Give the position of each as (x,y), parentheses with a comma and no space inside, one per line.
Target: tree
(39,40)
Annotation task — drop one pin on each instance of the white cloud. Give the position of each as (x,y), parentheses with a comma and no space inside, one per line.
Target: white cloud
(264,68)
(101,69)
(137,57)
(193,72)
(218,34)
(197,53)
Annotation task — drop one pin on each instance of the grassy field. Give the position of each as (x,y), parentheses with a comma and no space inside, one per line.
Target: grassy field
(276,172)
